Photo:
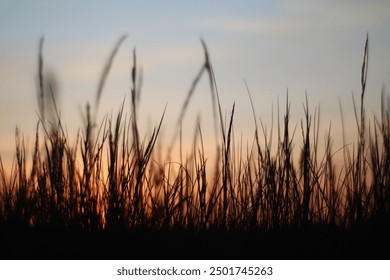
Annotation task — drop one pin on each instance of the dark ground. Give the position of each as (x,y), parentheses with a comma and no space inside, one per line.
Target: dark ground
(315,242)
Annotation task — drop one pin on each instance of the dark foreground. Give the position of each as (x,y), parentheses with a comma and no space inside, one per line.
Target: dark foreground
(314,242)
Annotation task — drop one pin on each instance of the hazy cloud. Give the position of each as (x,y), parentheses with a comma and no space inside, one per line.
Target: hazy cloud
(251,25)
(306,16)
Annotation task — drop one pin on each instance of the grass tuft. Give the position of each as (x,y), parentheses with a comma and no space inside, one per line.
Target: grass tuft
(110,179)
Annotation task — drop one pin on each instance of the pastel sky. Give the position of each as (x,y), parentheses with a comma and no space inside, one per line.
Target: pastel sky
(303,46)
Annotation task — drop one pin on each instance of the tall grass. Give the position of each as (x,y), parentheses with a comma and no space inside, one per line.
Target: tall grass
(111,179)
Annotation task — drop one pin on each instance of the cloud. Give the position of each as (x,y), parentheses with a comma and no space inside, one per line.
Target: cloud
(352,13)
(300,17)
(251,25)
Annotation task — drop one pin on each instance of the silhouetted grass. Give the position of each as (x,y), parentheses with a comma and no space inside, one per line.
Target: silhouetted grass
(108,193)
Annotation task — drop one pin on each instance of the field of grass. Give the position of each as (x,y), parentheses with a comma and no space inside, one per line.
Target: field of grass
(108,196)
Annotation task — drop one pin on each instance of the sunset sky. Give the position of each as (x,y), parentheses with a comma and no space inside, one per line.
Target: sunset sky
(303,46)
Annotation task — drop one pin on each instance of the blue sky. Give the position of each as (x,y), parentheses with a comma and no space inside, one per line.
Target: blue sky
(303,46)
